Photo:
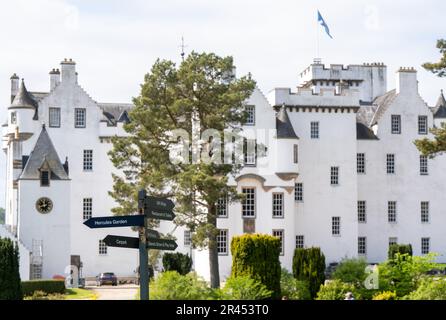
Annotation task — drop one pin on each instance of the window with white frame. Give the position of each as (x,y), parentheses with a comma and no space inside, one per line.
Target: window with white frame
(250,152)
(393,240)
(396,124)
(424,211)
(362,245)
(279,234)
(54,117)
(336,226)
(391,211)
(277,205)
(251,119)
(425,245)
(45,178)
(360,163)
(334,176)
(222,207)
(14,117)
(390,163)
(87,207)
(88,160)
(187,238)
(102,248)
(424,168)
(422,125)
(295,153)
(299,191)
(314,130)
(362,216)
(80,118)
(300,244)
(222,241)
(249,203)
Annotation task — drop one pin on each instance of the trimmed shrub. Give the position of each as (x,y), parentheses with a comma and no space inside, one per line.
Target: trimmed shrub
(46,286)
(244,288)
(336,290)
(429,289)
(399,248)
(170,285)
(309,266)
(10,285)
(293,289)
(385,295)
(257,256)
(178,262)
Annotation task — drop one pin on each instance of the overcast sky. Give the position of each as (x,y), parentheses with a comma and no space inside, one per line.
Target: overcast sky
(115,42)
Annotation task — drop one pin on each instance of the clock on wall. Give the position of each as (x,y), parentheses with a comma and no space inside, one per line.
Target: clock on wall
(44,205)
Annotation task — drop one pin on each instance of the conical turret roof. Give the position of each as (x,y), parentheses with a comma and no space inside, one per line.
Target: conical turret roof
(24,100)
(283,125)
(440,107)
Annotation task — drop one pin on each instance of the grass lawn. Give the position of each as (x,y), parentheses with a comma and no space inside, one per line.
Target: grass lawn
(81,294)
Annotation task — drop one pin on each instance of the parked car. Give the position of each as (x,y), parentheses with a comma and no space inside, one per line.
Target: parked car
(106,278)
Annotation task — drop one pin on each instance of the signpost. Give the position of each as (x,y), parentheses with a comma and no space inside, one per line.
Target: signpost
(148,208)
(112,222)
(121,242)
(161,244)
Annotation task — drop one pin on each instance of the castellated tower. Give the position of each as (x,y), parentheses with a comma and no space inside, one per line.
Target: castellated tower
(369,78)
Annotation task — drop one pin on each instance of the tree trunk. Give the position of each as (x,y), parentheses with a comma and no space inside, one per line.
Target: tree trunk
(213,250)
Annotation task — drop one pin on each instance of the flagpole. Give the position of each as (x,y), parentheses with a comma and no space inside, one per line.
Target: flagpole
(317,39)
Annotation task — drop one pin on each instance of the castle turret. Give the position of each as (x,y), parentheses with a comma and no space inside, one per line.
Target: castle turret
(287,158)
(22,113)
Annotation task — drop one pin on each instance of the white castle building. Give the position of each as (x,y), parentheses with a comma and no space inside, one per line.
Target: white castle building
(341,172)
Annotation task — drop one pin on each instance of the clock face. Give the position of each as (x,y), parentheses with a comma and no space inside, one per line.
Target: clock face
(44,205)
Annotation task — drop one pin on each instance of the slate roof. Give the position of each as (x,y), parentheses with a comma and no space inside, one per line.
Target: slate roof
(115,112)
(44,154)
(440,107)
(24,99)
(382,102)
(283,125)
(364,133)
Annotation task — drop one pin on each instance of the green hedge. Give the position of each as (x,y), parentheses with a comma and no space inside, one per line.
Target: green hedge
(309,266)
(9,271)
(257,256)
(47,286)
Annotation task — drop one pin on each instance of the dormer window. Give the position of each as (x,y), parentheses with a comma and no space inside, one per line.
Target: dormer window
(45,178)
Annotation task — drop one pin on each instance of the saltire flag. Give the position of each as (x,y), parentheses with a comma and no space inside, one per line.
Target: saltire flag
(322,23)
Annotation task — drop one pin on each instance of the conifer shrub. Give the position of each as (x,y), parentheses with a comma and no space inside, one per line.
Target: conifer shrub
(10,285)
(309,266)
(257,256)
(181,263)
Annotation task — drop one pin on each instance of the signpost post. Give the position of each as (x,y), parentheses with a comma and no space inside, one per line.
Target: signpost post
(148,208)
(143,255)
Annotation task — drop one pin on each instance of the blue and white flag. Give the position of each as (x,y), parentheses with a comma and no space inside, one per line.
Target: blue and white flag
(322,23)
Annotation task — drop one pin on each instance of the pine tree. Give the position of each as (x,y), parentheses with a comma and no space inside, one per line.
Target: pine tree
(194,97)
(435,147)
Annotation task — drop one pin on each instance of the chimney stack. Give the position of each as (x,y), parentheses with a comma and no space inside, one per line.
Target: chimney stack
(68,67)
(15,82)
(406,80)
(54,78)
